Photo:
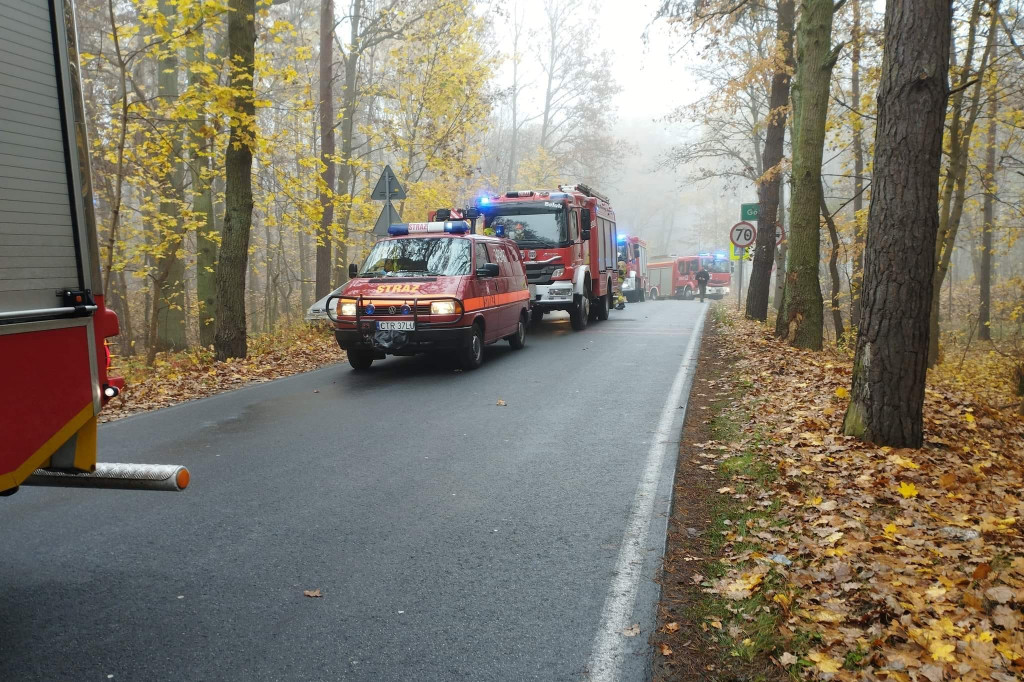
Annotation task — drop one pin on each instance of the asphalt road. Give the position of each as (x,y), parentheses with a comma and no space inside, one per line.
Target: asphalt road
(451,538)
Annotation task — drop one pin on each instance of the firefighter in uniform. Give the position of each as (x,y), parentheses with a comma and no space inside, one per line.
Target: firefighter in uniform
(703,276)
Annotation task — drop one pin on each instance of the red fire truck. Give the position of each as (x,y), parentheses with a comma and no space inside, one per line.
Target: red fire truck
(636,286)
(676,276)
(53,322)
(567,241)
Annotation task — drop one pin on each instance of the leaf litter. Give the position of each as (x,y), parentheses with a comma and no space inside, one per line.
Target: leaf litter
(900,564)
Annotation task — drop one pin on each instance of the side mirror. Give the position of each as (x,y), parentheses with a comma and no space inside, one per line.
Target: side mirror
(487,270)
(353,270)
(585,223)
(585,233)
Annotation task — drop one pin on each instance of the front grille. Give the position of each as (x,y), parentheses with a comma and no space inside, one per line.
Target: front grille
(383,310)
(539,273)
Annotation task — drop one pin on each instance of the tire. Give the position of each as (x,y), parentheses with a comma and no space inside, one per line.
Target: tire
(536,316)
(472,356)
(580,314)
(687,293)
(654,294)
(604,305)
(360,359)
(643,296)
(518,340)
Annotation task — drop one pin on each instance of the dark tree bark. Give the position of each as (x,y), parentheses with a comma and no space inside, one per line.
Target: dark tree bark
(229,316)
(800,320)
(887,397)
(770,181)
(323,235)
(858,166)
(985,267)
(349,101)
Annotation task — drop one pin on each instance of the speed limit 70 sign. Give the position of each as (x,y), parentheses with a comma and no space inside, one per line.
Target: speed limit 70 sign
(743,234)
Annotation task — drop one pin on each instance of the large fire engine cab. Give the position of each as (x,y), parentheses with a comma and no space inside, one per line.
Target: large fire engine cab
(53,322)
(567,240)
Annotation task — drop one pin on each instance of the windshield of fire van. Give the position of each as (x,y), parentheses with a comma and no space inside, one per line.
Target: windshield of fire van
(531,228)
(715,265)
(436,256)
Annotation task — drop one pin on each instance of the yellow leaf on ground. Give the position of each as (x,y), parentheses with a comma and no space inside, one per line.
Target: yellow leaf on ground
(908,490)
(842,392)
(825,663)
(941,651)
(665,650)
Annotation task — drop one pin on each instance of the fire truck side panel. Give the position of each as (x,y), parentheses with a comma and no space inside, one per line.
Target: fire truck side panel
(52,342)
(48,421)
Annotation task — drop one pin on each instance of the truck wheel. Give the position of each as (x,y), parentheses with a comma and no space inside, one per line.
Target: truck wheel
(654,294)
(536,316)
(518,340)
(604,305)
(472,356)
(580,314)
(687,293)
(360,359)
(643,296)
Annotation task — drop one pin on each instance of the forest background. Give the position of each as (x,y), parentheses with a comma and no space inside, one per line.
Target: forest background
(664,108)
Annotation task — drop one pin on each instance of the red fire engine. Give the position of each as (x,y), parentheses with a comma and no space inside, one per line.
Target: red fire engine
(676,277)
(567,241)
(53,322)
(636,286)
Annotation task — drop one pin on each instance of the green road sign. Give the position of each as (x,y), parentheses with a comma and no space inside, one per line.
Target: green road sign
(749,211)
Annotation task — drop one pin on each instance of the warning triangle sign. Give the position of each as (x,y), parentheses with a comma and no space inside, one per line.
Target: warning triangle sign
(388,186)
(388,217)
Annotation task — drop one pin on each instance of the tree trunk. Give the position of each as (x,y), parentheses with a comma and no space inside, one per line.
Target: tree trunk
(833,269)
(230,338)
(324,235)
(858,167)
(781,252)
(349,99)
(170,284)
(985,267)
(887,397)
(800,321)
(202,200)
(770,181)
(954,187)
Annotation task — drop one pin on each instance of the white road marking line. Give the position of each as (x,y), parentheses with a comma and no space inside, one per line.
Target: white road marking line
(617,613)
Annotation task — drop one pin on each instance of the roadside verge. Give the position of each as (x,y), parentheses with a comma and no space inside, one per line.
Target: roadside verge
(794,551)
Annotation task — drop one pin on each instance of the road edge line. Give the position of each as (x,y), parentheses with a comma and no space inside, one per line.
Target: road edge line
(610,643)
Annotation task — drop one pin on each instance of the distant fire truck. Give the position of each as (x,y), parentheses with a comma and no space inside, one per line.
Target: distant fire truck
(53,322)
(637,284)
(676,276)
(567,240)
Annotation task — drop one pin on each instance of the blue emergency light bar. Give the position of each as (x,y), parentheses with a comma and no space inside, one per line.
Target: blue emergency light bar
(450,227)
(622,237)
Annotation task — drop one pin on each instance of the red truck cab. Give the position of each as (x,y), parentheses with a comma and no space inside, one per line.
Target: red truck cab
(432,287)
(567,241)
(636,285)
(676,277)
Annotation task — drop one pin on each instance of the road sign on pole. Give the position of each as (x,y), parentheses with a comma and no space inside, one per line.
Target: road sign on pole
(743,234)
(736,253)
(388,187)
(780,234)
(749,211)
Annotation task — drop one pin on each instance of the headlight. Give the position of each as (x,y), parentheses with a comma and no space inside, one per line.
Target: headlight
(346,308)
(442,308)
(558,272)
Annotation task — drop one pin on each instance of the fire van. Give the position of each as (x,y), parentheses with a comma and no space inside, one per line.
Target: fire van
(567,240)
(432,287)
(676,277)
(633,253)
(53,321)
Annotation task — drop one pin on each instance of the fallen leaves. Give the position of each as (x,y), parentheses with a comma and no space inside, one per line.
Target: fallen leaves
(901,564)
(665,649)
(312,593)
(632,631)
(501,403)
(178,377)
